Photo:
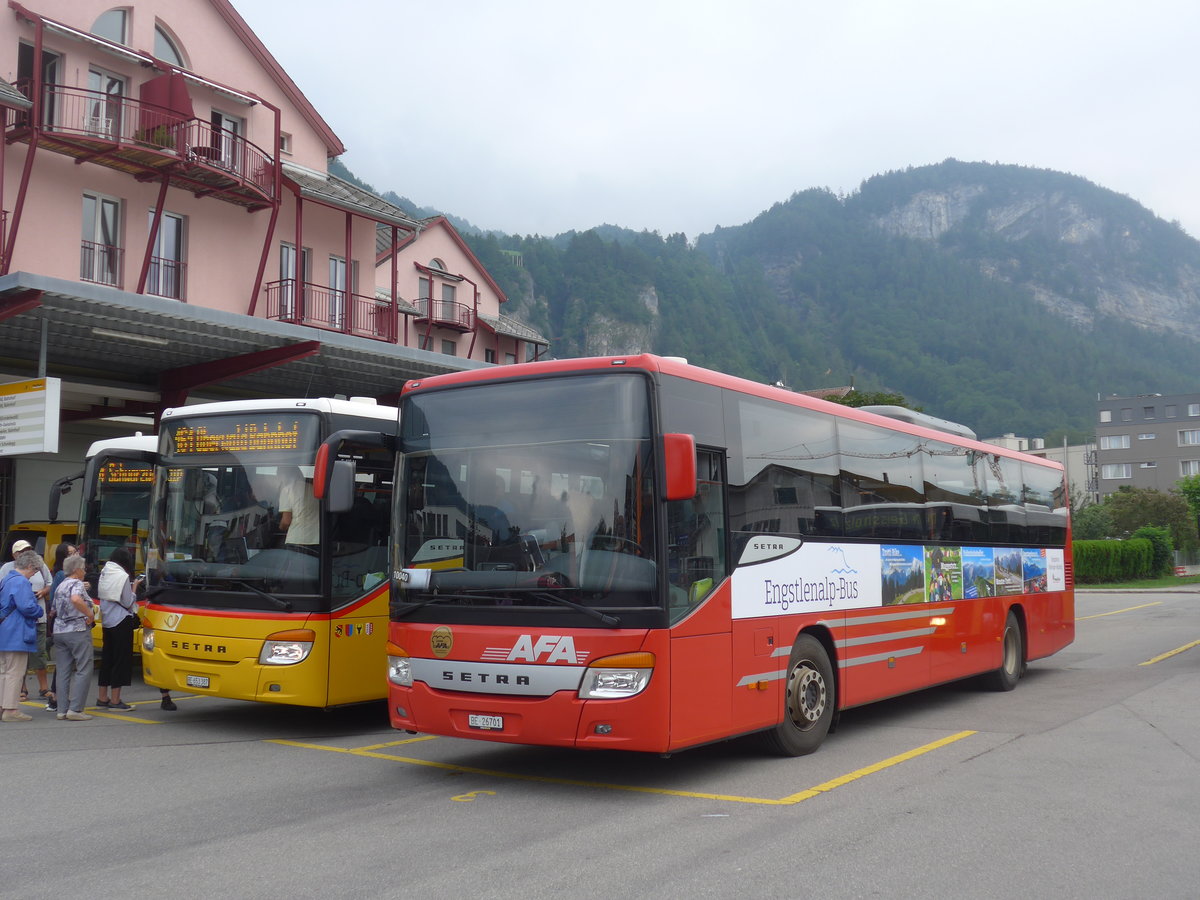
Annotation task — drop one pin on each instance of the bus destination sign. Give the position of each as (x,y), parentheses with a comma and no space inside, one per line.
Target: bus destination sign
(239,437)
(119,472)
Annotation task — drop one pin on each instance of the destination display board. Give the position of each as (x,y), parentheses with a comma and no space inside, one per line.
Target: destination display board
(119,473)
(249,433)
(29,413)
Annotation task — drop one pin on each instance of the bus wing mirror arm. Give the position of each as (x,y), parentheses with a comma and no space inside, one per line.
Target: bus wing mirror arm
(679,466)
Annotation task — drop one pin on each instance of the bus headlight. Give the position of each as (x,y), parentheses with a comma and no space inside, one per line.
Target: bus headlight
(286,648)
(399,666)
(147,639)
(613,677)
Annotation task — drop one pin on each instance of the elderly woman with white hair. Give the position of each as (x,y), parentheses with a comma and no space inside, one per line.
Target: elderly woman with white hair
(19,614)
(73,620)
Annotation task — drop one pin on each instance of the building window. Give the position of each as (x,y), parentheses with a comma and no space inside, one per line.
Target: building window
(437,264)
(510,359)
(166,49)
(1117,470)
(1148,465)
(111,25)
(289,291)
(100,258)
(104,104)
(1106,415)
(226,140)
(1147,436)
(339,289)
(1170,410)
(1189,467)
(1194,409)
(165,277)
(489,356)
(1147,412)
(448,305)
(1127,415)
(1189,438)
(1114,442)
(285,143)
(450,348)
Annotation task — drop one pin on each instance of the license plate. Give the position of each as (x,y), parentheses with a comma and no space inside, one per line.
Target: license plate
(485,723)
(197,681)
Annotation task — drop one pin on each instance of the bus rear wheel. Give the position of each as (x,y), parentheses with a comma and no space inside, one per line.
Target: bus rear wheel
(1012,662)
(809,701)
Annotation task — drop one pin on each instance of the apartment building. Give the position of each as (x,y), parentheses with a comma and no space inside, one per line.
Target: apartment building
(1148,441)
(169,231)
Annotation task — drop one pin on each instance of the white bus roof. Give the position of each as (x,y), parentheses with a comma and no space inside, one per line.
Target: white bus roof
(316,404)
(137,441)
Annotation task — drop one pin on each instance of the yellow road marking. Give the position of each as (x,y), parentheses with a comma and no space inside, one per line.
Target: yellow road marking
(1170,653)
(700,795)
(1116,611)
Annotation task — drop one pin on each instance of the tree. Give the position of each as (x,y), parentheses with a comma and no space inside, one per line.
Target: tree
(1092,523)
(875,398)
(1189,487)
(1131,508)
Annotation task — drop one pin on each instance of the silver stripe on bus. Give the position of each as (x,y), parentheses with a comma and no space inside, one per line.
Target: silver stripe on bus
(765,676)
(850,622)
(496,678)
(889,636)
(878,657)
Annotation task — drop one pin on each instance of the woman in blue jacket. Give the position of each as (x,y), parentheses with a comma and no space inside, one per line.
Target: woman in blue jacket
(19,614)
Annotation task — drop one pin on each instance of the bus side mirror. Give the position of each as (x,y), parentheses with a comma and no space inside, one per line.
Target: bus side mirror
(341,486)
(679,464)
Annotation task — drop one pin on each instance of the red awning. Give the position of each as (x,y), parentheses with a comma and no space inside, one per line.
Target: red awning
(165,102)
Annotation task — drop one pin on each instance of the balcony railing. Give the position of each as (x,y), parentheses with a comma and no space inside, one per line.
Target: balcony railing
(167,278)
(147,139)
(446,313)
(324,307)
(101,263)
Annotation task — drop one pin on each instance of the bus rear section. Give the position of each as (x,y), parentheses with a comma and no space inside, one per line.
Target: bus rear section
(635,553)
(257,589)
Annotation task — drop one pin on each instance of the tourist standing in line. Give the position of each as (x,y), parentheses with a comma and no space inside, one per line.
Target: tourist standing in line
(19,614)
(73,654)
(118,615)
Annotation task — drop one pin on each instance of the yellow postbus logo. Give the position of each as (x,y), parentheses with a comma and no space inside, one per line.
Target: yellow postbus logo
(441,641)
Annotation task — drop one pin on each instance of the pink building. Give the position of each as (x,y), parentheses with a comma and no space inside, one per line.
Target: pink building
(170,230)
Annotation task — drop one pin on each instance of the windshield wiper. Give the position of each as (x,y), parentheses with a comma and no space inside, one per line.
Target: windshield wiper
(611,621)
(285,605)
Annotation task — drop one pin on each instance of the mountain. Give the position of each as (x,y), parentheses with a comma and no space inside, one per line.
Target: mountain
(999,296)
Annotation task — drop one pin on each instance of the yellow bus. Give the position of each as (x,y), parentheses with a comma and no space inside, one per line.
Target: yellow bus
(255,589)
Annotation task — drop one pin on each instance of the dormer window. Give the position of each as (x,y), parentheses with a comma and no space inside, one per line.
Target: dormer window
(112,25)
(166,49)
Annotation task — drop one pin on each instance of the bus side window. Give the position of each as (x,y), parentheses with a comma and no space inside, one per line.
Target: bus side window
(696,537)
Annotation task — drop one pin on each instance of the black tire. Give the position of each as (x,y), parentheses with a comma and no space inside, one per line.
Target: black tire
(1012,661)
(810,699)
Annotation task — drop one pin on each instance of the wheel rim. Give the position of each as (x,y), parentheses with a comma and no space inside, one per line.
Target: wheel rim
(806,695)
(1011,648)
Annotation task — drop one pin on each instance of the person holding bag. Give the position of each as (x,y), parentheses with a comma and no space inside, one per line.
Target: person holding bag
(19,614)
(118,615)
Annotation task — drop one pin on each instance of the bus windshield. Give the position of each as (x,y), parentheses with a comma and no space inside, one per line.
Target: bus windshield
(119,514)
(234,506)
(532,494)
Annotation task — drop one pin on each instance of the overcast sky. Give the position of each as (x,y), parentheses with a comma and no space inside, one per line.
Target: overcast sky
(539,116)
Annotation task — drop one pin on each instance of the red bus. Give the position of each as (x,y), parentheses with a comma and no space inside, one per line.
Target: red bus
(635,553)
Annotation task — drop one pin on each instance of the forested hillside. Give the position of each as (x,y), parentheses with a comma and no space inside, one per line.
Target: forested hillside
(1002,297)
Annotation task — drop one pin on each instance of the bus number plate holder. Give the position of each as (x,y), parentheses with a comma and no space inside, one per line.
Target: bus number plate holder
(200,681)
(485,723)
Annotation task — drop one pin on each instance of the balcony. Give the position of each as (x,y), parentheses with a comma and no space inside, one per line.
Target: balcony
(149,142)
(101,264)
(326,308)
(445,314)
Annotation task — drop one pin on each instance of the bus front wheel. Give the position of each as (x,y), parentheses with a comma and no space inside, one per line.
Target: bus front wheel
(809,701)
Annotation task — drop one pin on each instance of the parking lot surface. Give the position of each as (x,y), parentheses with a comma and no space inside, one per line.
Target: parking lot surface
(1084,781)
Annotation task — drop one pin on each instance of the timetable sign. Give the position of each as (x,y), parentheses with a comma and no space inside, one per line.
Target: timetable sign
(29,412)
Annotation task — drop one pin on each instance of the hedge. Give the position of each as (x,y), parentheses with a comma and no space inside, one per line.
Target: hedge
(1099,562)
